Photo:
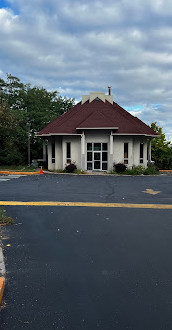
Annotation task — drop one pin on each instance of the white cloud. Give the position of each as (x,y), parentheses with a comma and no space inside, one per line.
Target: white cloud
(83,46)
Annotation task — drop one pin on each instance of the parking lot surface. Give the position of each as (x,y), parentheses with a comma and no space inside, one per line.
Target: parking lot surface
(88,267)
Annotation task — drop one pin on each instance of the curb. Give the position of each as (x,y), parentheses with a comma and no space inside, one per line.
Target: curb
(24,173)
(165,171)
(2,285)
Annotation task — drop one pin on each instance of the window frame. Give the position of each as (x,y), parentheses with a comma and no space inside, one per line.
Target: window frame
(68,152)
(53,152)
(126,151)
(90,164)
(141,152)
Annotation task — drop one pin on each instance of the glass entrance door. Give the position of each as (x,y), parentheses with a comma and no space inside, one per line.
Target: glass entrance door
(97,156)
(97,160)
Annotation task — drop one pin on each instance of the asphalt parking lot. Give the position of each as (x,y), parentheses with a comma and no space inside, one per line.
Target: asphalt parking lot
(88,267)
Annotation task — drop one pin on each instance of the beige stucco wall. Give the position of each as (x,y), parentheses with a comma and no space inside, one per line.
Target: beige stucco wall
(51,166)
(133,150)
(58,152)
(75,149)
(97,136)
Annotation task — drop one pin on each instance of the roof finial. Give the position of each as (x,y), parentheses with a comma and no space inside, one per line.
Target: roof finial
(109,90)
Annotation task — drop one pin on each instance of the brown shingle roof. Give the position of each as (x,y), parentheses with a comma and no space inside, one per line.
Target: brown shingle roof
(97,114)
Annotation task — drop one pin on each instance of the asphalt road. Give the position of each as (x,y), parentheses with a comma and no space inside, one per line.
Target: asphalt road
(88,268)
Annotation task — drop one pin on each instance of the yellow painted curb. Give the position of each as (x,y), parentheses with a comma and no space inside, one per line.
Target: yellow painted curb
(165,171)
(2,285)
(20,173)
(89,204)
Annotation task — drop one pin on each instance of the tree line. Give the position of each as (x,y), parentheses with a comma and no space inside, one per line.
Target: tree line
(161,149)
(25,110)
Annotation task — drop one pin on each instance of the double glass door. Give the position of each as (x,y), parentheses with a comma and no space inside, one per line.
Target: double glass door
(97,156)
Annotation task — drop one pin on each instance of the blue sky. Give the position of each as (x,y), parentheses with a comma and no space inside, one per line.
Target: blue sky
(80,46)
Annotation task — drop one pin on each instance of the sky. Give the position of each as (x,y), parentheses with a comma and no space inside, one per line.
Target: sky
(78,46)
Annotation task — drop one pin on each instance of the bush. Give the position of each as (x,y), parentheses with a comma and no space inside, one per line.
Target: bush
(136,170)
(151,170)
(119,168)
(70,168)
(139,170)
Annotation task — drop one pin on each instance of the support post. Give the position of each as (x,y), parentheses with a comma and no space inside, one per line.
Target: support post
(111,153)
(83,151)
(44,151)
(149,152)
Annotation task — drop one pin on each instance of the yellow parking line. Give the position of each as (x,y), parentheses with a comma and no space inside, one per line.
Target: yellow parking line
(116,205)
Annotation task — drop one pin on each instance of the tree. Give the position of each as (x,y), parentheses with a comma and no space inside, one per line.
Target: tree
(33,108)
(8,126)
(161,149)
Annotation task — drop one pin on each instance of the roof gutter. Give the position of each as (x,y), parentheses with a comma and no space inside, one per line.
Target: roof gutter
(54,134)
(135,134)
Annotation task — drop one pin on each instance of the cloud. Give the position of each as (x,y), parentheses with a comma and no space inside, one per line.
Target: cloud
(83,46)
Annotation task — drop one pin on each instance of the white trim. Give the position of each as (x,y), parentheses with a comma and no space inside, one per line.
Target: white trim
(136,134)
(97,128)
(97,151)
(78,134)
(50,134)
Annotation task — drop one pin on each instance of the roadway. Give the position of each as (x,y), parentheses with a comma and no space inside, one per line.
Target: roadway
(75,267)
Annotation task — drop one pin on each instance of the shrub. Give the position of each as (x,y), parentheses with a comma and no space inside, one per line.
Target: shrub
(136,170)
(70,168)
(151,170)
(119,168)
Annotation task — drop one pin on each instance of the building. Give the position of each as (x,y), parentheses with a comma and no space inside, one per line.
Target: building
(95,134)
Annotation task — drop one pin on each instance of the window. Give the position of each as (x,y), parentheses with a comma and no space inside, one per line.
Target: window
(125,153)
(97,156)
(97,146)
(141,153)
(68,152)
(53,152)
(89,146)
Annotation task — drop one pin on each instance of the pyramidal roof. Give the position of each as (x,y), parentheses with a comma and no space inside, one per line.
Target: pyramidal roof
(97,111)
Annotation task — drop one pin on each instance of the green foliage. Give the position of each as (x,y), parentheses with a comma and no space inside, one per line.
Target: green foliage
(25,110)
(8,125)
(151,170)
(136,170)
(4,220)
(140,170)
(161,149)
